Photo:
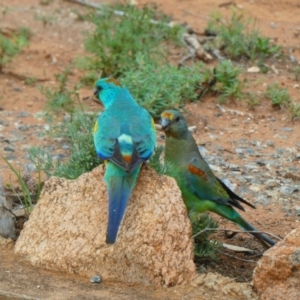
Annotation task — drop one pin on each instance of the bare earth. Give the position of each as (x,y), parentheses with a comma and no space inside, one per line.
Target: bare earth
(54,46)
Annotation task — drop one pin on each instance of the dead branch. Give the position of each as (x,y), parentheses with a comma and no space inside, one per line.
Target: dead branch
(23,77)
(246,260)
(236,231)
(196,15)
(195,49)
(116,12)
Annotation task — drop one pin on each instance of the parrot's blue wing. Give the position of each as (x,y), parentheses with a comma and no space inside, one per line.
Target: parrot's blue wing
(127,145)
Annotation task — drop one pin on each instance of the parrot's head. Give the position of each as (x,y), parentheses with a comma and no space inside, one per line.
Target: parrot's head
(173,124)
(106,90)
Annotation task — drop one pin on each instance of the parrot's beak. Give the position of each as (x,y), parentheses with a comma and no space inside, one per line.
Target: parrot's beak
(165,123)
(96,94)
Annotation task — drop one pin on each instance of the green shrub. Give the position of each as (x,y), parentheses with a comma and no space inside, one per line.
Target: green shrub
(279,96)
(237,39)
(158,88)
(227,83)
(204,247)
(296,72)
(61,99)
(11,46)
(294,110)
(117,40)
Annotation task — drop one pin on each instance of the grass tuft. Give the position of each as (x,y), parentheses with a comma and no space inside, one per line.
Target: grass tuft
(279,96)
(11,46)
(204,247)
(238,39)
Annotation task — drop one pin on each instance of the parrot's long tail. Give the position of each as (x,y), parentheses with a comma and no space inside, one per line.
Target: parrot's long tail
(119,192)
(229,213)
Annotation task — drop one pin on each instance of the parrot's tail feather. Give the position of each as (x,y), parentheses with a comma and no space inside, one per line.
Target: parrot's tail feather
(229,213)
(248,227)
(119,192)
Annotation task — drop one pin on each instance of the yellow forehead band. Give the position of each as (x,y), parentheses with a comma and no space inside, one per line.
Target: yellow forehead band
(167,115)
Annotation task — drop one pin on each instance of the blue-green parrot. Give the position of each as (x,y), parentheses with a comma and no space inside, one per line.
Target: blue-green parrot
(125,137)
(201,189)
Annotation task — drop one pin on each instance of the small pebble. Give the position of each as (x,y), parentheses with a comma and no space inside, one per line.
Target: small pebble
(96,279)
(9,149)
(65,146)
(288,190)
(23,114)
(23,127)
(286,129)
(3,123)
(239,150)
(30,168)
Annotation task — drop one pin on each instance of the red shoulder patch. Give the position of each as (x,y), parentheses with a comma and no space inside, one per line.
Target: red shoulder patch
(114,81)
(196,171)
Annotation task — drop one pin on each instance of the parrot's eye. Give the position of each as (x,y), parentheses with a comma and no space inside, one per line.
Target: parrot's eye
(97,89)
(177,119)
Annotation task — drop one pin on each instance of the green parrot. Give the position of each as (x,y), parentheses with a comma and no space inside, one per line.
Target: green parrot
(201,189)
(125,137)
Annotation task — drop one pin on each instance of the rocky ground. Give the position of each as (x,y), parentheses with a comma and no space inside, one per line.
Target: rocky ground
(256,151)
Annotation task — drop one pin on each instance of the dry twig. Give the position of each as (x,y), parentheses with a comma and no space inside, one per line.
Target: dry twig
(236,231)
(246,260)
(116,12)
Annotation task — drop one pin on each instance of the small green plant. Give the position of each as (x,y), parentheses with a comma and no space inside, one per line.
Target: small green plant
(45,2)
(8,50)
(28,201)
(9,47)
(61,99)
(237,39)
(279,96)
(262,66)
(155,160)
(117,40)
(81,16)
(204,247)
(227,83)
(296,72)
(252,100)
(30,80)
(264,48)
(45,19)
(5,10)
(22,37)
(294,110)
